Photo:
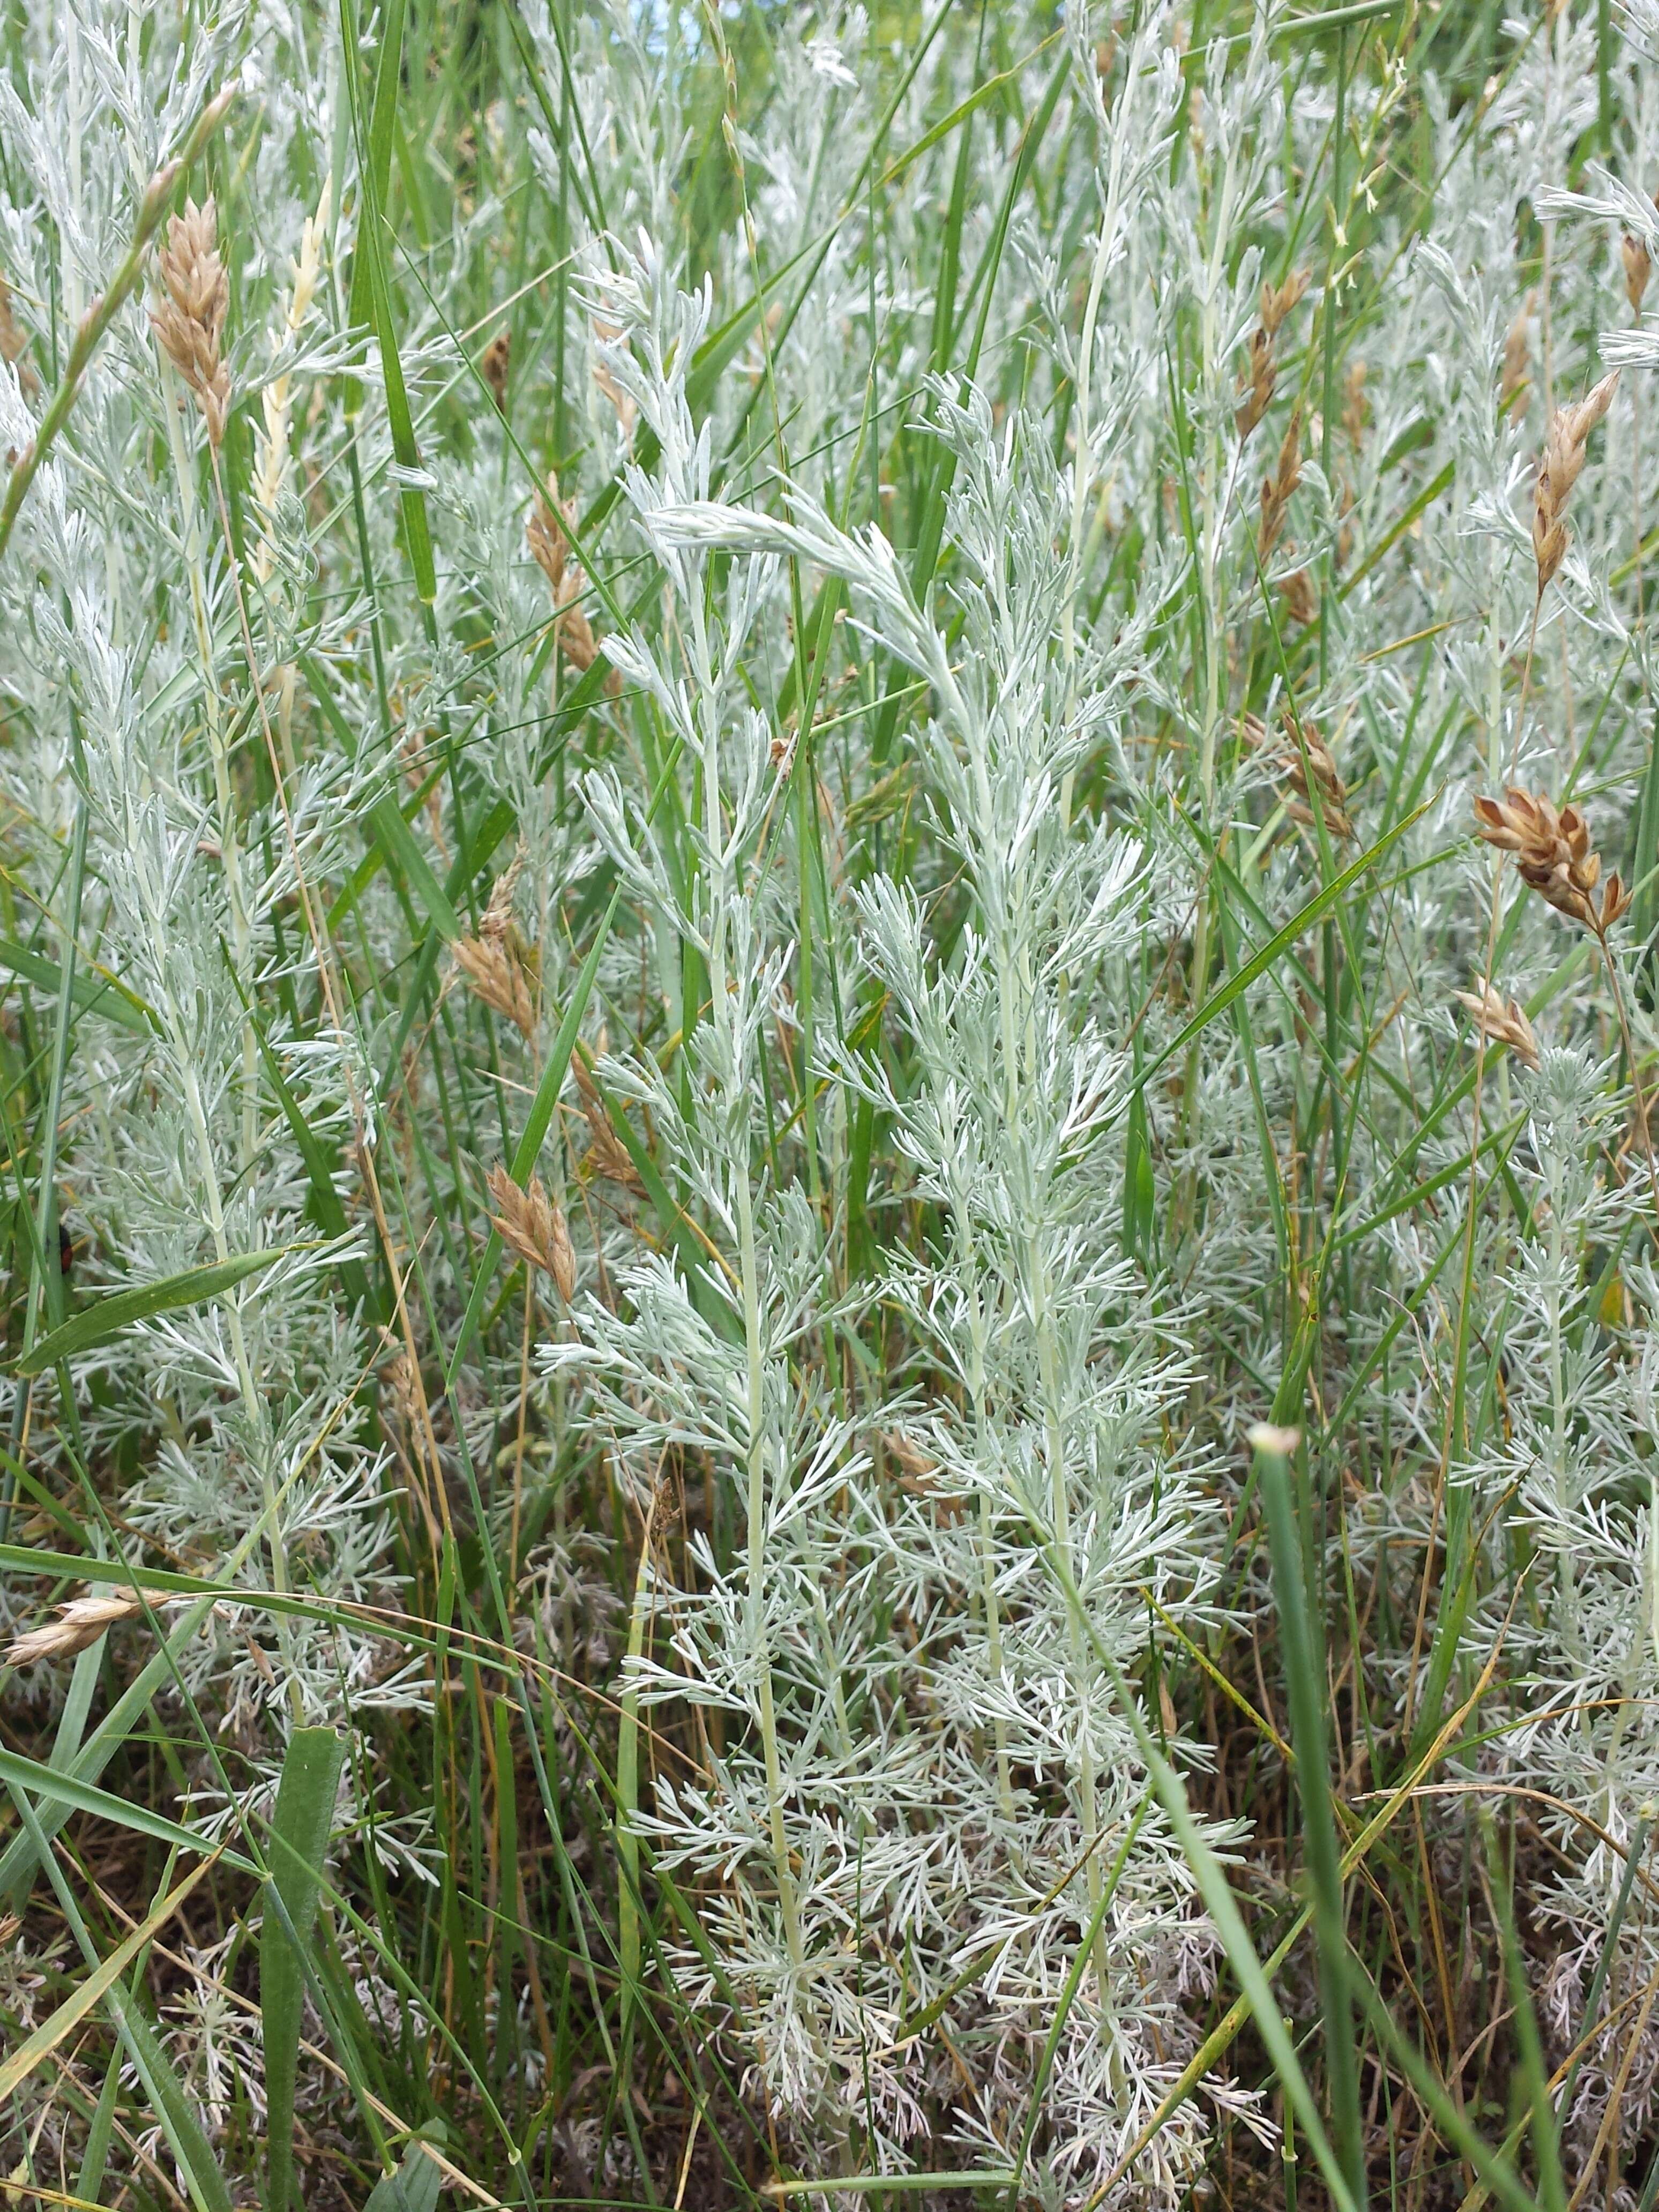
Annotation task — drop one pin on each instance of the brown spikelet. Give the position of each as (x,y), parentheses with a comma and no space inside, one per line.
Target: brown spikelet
(534,1226)
(1276,304)
(1502,1020)
(551,546)
(909,1453)
(623,402)
(1557,472)
(1300,603)
(606,1154)
(1517,358)
(545,539)
(1638,267)
(496,360)
(496,920)
(581,1061)
(1356,408)
(1553,852)
(14,342)
(189,322)
(79,1624)
(1287,757)
(1257,384)
(397,1373)
(494,975)
(1262,373)
(1277,488)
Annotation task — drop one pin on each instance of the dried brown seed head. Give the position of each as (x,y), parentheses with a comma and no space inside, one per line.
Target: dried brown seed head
(1301,602)
(606,1154)
(1261,372)
(189,322)
(493,973)
(1517,357)
(545,539)
(550,545)
(1276,304)
(909,1453)
(1356,408)
(496,920)
(497,359)
(1504,1021)
(1277,488)
(1257,384)
(79,1624)
(1558,470)
(534,1226)
(1554,854)
(397,1373)
(1638,267)
(1298,752)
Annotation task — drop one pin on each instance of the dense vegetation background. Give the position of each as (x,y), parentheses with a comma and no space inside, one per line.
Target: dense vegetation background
(829,851)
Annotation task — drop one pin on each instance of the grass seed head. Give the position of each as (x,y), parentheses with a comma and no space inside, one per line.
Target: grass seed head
(1262,373)
(1517,358)
(1502,1020)
(1276,490)
(1301,601)
(551,546)
(1563,457)
(1552,851)
(494,975)
(497,359)
(1295,761)
(606,1154)
(534,1226)
(79,1624)
(1638,267)
(189,322)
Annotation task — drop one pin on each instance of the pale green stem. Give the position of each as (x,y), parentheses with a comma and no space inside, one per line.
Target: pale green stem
(723,890)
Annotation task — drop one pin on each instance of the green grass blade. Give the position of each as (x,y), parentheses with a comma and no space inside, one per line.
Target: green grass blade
(300,1827)
(1305,1685)
(97,993)
(107,1317)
